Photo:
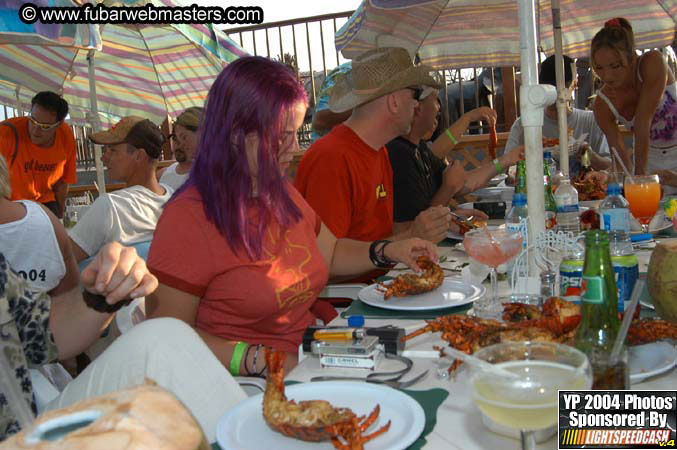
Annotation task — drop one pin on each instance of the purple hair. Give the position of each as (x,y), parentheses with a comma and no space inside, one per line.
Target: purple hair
(251,95)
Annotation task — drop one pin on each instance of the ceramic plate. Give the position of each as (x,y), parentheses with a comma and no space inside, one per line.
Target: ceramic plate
(452,292)
(243,427)
(651,359)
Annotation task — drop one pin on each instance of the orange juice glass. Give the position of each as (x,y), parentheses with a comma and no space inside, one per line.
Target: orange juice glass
(644,195)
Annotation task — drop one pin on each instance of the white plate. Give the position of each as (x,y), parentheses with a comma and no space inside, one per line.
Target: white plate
(497,179)
(505,193)
(452,292)
(243,426)
(651,359)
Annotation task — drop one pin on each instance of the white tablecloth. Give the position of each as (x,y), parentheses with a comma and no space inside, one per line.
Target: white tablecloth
(459,424)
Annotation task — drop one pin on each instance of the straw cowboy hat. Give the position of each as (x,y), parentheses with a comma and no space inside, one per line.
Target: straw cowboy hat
(377,73)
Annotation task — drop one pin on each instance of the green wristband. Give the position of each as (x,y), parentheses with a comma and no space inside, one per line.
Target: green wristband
(236,359)
(451,137)
(498,166)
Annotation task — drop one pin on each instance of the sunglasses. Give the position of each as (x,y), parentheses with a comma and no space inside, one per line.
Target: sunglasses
(417,92)
(44,126)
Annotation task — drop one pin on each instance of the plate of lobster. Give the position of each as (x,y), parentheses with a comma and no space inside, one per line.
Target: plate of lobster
(244,426)
(450,293)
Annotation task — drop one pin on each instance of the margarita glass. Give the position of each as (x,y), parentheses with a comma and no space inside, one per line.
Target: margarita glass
(492,248)
(643,192)
(528,402)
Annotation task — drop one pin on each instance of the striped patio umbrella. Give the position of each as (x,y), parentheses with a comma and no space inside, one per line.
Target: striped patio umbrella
(482,33)
(145,70)
(111,71)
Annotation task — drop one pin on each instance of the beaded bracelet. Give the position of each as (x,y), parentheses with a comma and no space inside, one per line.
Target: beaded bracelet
(377,254)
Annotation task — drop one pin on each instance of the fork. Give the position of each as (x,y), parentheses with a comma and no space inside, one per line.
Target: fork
(391,383)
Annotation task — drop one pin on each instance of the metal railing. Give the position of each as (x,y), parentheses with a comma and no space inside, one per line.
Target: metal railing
(456,89)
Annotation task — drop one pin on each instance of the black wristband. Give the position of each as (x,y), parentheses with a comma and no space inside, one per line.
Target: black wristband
(377,255)
(98,302)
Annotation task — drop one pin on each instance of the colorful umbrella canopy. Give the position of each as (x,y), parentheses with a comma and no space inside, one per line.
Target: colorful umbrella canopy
(145,70)
(481,33)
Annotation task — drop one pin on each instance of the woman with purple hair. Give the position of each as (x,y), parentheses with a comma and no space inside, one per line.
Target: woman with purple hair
(239,254)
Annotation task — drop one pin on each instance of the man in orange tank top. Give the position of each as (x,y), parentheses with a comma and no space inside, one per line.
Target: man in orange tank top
(40,152)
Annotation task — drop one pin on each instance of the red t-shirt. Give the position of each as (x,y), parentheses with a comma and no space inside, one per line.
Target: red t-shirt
(36,169)
(259,302)
(349,184)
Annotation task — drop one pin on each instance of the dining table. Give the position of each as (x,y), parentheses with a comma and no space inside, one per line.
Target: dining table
(457,422)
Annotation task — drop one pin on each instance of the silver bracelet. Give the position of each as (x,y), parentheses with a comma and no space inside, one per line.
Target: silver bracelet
(256,357)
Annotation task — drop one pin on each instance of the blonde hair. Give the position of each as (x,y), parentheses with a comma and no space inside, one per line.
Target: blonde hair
(5,187)
(616,35)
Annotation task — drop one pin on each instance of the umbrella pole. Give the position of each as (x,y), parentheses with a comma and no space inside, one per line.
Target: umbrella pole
(562,91)
(19,107)
(94,122)
(533,99)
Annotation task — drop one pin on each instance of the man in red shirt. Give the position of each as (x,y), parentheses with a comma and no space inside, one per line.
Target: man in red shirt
(40,152)
(346,175)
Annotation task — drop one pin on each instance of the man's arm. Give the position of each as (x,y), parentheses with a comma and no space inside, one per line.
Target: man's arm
(60,194)
(117,273)
(443,144)
(72,276)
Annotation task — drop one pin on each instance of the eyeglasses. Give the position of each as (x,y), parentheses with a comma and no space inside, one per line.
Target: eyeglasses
(44,126)
(417,92)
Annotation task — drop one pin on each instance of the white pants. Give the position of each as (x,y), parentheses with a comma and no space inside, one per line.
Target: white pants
(173,355)
(660,159)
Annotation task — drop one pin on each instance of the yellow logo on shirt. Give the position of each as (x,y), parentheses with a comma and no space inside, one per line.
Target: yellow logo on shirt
(381,191)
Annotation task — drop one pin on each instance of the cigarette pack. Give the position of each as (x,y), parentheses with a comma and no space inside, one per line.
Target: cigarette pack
(367,361)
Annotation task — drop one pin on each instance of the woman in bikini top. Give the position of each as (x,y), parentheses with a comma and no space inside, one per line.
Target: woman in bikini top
(638,91)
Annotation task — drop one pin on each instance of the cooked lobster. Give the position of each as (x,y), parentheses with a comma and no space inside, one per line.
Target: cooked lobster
(313,420)
(556,321)
(493,142)
(411,284)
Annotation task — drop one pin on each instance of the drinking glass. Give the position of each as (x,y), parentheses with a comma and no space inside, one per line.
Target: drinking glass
(492,248)
(643,192)
(528,402)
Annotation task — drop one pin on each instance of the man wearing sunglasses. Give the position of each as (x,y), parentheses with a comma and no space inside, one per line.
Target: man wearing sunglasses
(40,152)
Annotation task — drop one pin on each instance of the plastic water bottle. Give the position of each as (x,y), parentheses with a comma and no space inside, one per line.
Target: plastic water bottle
(550,161)
(625,264)
(513,222)
(566,198)
(615,210)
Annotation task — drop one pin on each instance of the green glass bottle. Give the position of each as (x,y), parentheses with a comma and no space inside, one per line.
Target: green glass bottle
(550,205)
(599,313)
(521,178)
